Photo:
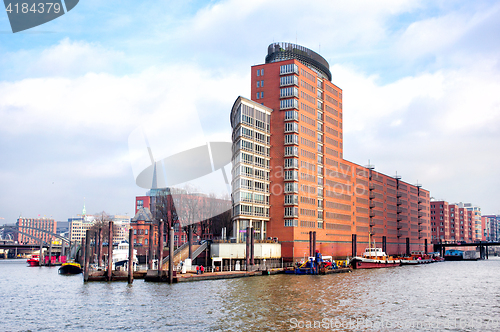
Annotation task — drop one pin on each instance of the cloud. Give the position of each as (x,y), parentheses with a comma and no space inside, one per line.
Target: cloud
(419,81)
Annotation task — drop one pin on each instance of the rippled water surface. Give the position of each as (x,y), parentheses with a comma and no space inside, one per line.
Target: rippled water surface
(449,296)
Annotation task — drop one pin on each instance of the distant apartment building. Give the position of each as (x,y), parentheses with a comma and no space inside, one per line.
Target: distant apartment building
(78,227)
(459,222)
(450,222)
(311,186)
(494,227)
(476,223)
(32,230)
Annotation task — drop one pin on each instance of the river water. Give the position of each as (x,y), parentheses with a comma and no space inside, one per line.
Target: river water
(448,296)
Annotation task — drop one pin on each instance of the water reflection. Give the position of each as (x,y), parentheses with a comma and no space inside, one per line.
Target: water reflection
(39,299)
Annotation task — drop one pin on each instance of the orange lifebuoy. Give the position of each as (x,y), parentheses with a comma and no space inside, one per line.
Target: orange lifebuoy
(216,269)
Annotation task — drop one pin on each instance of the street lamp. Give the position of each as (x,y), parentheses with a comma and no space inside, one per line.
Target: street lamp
(230,262)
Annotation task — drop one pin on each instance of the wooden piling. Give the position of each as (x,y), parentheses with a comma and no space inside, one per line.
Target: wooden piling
(310,243)
(99,252)
(151,247)
(110,251)
(252,247)
(247,249)
(314,244)
(50,253)
(354,245)
(160,247)
(131,256)
(190,240)
(40,257)
(87,256)
(171,256)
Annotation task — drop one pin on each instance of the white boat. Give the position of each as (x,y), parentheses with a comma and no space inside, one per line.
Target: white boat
(120,257)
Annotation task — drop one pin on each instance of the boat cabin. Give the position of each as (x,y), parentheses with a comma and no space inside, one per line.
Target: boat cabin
(374,252)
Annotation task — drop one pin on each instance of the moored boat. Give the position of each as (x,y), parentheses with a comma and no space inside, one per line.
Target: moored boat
(34,260)
(453,255)
(120,256)
(70,268)
(417,257)
(374,258)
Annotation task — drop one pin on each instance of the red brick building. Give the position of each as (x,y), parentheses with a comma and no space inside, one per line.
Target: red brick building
(312,188)
(37,230)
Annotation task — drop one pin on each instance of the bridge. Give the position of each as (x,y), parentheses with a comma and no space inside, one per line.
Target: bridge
(482,245)
(17,247)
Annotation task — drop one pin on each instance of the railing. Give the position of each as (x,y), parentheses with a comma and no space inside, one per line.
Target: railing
(200,249)
(176,251)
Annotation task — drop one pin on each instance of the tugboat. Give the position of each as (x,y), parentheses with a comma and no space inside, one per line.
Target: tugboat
(374,257)
(70,268)
(34,260)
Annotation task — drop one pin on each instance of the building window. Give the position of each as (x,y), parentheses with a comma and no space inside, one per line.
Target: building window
(258,94)
(258,72)
(146,232)
(291,223)
(261,84)
(146,242)
(258,84)
(262,94)
(135,231)
(262,72)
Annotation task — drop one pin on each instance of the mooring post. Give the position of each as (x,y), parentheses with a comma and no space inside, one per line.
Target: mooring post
(190,240)
(50,253)
(110,251)
(252,247)
(314,244)
(130,256)
(151,247)
(160,247)
(354,245)
(40,257)
(310,243)
(95,255)
(87,256)
(82,252)
(99,253)
(171,256)
(247,250)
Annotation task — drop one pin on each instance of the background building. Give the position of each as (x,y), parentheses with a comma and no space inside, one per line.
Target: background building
(42,226)
(250,122)
(312,188)
(494,232)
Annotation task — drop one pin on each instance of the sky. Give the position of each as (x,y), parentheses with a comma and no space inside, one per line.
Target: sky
(420,81)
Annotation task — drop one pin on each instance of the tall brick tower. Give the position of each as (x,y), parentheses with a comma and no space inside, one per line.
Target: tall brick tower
(312,188)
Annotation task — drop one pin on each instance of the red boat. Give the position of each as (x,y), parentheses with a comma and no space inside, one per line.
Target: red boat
(34,260)
(374,258)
